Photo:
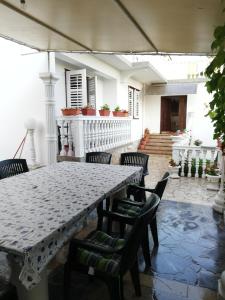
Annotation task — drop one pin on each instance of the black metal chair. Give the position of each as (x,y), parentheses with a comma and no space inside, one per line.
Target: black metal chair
(98,157)
(136,159)
(11,167)
(129,207)
(110,258)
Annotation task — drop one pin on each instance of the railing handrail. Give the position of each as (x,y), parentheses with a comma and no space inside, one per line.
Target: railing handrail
(181,147)
(82,117)
(92,133)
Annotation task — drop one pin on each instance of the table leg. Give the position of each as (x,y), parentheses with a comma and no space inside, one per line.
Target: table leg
(39,292)
(118,195)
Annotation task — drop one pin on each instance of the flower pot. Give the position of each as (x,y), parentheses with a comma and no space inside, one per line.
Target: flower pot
(213,182)
(174,172)
(117,114)
(141,147)
(125,114)
(104,112)
(71,111)
(89,111)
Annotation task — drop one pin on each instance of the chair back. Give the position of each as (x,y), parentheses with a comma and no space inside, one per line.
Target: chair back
(161,185)
(98,157)
(135,236)
(136,159)
(11,167)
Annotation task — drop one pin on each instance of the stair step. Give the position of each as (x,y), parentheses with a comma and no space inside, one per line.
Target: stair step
(160,152)
(160,136)
(155,147)
(159,143)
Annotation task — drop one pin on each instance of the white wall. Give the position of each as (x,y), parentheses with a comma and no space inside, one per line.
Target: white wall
(100,100)
(110,90)
(200,125)
(21,98)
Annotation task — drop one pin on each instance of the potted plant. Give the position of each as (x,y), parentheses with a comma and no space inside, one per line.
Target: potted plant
(125,113)
(174,169)
(105,110)
(197,142)
(215,86)
(70,111)
(213,177)
(88,110)
(117,112)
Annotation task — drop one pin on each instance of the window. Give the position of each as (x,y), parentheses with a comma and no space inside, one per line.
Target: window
(134,102)
(81,89)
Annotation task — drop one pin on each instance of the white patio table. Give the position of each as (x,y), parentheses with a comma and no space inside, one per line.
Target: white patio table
(39,211)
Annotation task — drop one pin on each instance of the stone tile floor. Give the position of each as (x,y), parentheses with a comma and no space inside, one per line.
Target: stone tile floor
(190,190)
(191,253)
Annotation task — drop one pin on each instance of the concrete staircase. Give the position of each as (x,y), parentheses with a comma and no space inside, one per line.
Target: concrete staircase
(158,144)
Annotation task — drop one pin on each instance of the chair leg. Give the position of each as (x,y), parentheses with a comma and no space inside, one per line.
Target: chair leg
(114,288)
(154,230)
(136,279)
(100,218)
(121,288)
(122,229)
(145,248)
(66,283)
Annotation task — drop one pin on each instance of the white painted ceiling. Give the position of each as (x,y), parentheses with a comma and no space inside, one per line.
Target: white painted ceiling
(170,26)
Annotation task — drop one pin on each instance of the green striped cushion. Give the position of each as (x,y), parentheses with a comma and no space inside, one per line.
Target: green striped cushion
(128,210)
(131,210)
(100,262)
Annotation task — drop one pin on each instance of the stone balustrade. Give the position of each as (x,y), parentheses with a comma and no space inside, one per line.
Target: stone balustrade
(185,155)
(81,134)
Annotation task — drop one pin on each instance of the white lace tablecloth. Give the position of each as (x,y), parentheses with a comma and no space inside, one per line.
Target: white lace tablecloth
(39,210)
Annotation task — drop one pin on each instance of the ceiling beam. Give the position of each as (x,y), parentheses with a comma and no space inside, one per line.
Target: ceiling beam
(136,24)
(43,24)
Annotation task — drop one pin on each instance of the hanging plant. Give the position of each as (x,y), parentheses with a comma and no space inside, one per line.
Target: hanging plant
(215,84)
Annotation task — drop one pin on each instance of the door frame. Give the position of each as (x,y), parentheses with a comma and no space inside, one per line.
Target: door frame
(182,118)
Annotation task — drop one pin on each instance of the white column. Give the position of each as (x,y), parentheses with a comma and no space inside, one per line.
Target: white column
(49,80)
(77,128)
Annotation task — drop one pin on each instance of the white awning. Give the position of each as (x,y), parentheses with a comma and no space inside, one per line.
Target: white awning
(118,26)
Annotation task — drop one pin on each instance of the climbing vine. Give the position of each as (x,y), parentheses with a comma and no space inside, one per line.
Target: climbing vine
(215,84)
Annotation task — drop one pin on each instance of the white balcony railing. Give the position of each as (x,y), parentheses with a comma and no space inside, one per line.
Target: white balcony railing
(82,134)
(202,154)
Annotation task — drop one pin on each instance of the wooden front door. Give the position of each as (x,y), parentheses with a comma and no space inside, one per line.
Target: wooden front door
(167,112)
(165,124)
(182,112)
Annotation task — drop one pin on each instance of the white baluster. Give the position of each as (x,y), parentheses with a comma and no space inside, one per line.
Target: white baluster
(91,136)
(204,162)
(94,135)
(189,162)
(182,161)
(85,137)
(70,140)
(197,155)
(62,138)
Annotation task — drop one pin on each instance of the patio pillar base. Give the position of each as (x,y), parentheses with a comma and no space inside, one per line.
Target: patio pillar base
(49,80)
(219,205)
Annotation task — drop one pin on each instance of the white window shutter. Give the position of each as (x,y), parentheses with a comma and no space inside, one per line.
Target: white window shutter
(136,104)
(130,101)
(76,88)
(92,83)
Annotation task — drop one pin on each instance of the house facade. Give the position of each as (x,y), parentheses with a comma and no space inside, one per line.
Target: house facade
(152,101)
